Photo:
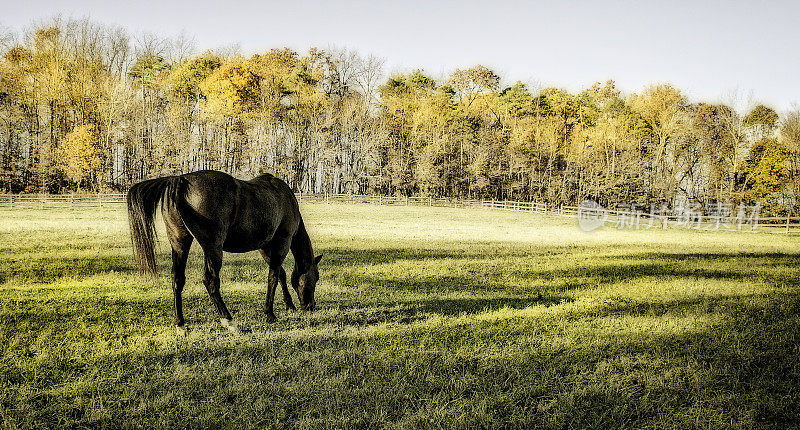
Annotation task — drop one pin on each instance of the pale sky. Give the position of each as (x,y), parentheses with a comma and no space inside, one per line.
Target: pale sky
(709,49)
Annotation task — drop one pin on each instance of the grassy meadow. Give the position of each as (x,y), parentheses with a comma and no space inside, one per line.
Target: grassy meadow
(427,318)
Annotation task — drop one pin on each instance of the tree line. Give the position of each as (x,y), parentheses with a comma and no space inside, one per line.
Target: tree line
(88,106)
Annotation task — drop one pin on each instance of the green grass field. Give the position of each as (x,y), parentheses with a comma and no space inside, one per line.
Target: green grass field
(428,317)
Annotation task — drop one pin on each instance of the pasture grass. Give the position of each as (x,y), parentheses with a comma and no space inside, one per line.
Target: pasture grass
(427,318)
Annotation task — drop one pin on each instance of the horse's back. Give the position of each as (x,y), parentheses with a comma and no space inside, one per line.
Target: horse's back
(244,215)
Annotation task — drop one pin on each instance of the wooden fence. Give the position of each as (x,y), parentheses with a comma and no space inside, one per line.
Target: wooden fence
(614,217)
(386,200)
(46,201)
(627,219)
(515,206)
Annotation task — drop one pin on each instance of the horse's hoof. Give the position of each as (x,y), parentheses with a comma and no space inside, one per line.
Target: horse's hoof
(271,318)
(230,325)
(291,308)
(180,330)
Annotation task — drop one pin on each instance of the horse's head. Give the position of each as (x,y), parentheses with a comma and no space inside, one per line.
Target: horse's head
(305,284)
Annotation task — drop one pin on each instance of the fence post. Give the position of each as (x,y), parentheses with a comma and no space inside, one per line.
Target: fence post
(787,221)
(326,198)
(406,200)
(99,199)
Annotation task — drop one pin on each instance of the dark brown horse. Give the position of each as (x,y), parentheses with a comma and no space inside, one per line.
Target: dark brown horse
(224,214)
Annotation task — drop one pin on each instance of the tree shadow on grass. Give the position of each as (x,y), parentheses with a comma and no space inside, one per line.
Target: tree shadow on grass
(483,250)
(455,306)
(50,269)
(404,311)
(748,267)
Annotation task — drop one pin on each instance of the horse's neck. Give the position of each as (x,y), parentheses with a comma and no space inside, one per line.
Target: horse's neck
(301,248)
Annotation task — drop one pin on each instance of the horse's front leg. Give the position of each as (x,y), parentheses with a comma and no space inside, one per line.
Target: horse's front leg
(272,284)
(274,254)
(287,297)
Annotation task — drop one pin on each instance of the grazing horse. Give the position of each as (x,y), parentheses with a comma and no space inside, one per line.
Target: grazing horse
(224,214)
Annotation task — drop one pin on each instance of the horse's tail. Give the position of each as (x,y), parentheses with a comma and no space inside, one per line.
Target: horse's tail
(143,200)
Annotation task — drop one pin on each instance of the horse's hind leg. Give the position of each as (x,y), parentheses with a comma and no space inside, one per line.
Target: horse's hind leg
(181,241)
(179,256)
(211,281)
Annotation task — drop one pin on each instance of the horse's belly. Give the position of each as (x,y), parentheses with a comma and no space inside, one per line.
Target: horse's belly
(242,243)
(239,248)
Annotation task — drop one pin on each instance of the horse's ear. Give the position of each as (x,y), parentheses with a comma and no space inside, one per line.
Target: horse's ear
(317,258)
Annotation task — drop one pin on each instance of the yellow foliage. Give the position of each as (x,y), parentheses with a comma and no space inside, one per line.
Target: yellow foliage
(80,153)
(661,107)
(232,89)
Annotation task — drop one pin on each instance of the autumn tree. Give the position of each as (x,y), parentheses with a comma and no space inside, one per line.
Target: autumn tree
(81,155)
(664,109)
(790,136)
(768,173)
(468,83)
(762,120)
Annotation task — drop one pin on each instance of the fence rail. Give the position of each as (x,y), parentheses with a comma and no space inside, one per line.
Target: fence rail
(45,201)
(386,200)
(784,223)
(515,205)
